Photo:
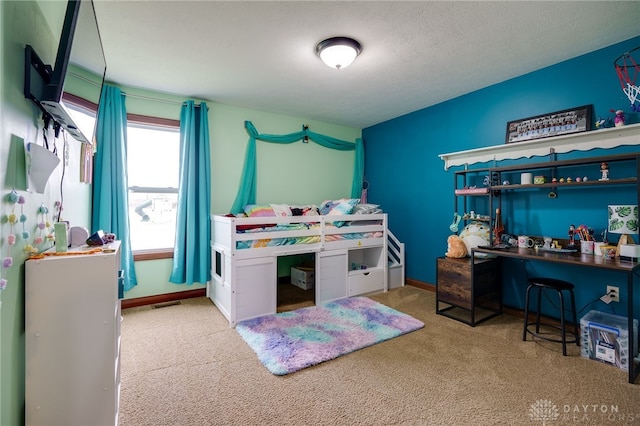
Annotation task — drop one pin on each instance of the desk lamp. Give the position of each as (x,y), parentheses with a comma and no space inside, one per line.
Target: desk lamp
(623,219)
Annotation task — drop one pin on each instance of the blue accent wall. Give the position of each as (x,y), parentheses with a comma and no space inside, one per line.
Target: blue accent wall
(407,178)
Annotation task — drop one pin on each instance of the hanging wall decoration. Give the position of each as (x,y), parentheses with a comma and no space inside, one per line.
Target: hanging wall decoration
(7,260)
(44,232)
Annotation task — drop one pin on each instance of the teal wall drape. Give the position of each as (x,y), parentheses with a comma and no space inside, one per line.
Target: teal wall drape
(191,253)
(247,188)
(110,186)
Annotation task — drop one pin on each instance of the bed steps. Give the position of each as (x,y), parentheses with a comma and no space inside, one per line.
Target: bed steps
(395,256)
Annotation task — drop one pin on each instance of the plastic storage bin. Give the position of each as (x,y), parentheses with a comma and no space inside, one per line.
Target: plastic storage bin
(605,338)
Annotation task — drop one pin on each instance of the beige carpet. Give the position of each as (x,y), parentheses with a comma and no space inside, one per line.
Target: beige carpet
(183,365)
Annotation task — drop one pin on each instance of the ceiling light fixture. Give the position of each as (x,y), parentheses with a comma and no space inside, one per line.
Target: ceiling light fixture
(338,52)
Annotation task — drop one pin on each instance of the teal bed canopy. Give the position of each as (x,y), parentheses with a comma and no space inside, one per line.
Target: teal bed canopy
(247,188)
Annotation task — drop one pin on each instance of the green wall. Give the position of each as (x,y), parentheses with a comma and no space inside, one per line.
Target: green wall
(296,174)
(20,122)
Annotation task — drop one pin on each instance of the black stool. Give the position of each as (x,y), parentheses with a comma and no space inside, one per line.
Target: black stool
(559,286)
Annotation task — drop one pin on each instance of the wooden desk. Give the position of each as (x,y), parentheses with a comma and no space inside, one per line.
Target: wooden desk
(584,260)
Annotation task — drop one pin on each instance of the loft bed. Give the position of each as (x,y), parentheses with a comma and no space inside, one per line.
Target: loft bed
(245,250)
(251,237)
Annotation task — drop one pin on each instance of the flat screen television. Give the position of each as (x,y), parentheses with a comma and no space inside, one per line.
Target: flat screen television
(81,46)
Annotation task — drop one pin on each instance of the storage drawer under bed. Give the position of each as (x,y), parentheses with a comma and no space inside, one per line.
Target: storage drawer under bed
(365,282)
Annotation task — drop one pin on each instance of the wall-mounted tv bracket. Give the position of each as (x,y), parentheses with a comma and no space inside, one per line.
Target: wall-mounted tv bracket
(34,82)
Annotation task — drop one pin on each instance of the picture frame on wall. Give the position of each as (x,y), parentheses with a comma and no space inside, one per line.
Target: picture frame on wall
(573,120)
(86,163)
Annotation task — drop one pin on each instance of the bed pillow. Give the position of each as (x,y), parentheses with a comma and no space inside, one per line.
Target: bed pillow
(281,209)
(259,210)
(366,209)
(338,207)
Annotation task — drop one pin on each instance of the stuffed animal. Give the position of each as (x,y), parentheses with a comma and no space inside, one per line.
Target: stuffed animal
(455,247)
(475,234)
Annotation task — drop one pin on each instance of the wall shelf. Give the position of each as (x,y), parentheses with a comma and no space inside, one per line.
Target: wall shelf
(625,181)
(585,141)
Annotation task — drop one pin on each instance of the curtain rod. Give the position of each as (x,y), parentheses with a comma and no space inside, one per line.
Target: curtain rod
(133,96)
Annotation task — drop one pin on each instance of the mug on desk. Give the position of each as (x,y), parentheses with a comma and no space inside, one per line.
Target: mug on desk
(597,248)
(525,242)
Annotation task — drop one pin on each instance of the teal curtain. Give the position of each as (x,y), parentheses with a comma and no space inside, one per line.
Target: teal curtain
(191,253)
(247,189)
(110,186)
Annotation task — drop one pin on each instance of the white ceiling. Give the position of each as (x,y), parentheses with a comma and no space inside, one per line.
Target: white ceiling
(260,55)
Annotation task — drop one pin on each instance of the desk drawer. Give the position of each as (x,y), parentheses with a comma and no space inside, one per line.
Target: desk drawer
(454,282)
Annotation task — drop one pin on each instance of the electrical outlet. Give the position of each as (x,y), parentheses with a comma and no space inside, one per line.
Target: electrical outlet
(614,293)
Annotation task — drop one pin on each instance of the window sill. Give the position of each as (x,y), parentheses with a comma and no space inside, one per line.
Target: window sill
(153,254)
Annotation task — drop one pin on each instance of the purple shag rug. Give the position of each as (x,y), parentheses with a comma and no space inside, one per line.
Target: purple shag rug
(290,341)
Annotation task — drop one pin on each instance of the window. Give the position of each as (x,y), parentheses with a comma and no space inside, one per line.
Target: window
(83,116)
(153,155)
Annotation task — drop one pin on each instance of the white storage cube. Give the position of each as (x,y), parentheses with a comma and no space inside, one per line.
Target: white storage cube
(302,277)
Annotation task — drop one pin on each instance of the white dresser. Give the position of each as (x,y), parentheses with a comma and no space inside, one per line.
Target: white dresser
(72,339)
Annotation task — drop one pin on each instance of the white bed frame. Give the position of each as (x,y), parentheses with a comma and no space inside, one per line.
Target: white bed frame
(244,281)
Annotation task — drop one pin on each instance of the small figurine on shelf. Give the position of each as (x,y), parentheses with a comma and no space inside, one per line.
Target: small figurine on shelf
(604,169)
(618,121)
(572,235)
(603,123)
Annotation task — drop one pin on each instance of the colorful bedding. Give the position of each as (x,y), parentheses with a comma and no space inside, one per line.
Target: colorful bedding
(311,239)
